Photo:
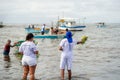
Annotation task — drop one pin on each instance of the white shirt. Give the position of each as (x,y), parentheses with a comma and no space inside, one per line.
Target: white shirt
(43,28)
(67,47)
(28,48)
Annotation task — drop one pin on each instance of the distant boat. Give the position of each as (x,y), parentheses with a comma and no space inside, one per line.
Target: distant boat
(70,24)
(1,24)
(101,25)
(52,36)
(37,31)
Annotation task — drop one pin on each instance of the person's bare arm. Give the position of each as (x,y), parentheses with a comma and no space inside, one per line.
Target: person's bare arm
(36,52)
(14,44)
(79,42)
(20,53)
(60,48)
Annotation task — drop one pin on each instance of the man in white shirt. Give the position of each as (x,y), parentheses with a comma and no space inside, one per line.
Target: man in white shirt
(43,29)
(66,46)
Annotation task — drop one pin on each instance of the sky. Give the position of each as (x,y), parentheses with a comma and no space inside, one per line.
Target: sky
(47,11)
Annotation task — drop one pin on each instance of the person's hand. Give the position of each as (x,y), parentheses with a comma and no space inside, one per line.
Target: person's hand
(15,43)
(60,48)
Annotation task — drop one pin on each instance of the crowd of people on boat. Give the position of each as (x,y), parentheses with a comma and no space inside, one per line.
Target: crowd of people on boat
(52,30)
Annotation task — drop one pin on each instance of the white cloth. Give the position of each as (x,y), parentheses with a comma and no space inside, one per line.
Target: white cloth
(27,60)
(67,54)
(43,28)
(66,61)
(28,49)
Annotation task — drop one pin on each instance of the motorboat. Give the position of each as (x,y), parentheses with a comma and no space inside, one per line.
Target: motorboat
(70,24)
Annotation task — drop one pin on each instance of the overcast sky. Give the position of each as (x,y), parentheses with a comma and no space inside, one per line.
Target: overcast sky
(44,11)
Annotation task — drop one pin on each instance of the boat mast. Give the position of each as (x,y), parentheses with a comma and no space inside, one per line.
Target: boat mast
(79,21)
(52,24)
(63,14)
(84,20)
(57,24)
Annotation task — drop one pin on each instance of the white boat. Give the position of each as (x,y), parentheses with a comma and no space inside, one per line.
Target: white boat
(70,24)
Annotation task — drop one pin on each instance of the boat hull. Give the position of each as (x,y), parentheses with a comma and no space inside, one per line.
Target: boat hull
(50,36)
(100,26)
(72,28)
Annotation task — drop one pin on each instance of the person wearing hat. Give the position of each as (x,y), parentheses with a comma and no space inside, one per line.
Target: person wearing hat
(66,46)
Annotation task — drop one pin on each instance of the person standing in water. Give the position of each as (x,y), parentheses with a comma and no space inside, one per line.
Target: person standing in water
(7,50)
(43,29)
(29,51)
(66,46)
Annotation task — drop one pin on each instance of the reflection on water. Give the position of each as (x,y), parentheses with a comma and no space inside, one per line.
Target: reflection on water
(7,64)
(98,59)
(77,77)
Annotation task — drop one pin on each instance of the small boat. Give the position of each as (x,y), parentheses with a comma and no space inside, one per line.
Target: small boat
(70,23)
(1,24)
(35,30)
(54,36)
(101,25)
(16,52)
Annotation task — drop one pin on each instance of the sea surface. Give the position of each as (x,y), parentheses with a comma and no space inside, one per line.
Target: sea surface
(97,59)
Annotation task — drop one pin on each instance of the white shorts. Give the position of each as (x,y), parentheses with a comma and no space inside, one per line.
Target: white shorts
(66,61)
(26,60)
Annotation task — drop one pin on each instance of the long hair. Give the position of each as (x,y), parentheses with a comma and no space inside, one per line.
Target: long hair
(29,36)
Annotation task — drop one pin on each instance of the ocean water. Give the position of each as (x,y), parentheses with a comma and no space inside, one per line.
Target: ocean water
(97,59)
